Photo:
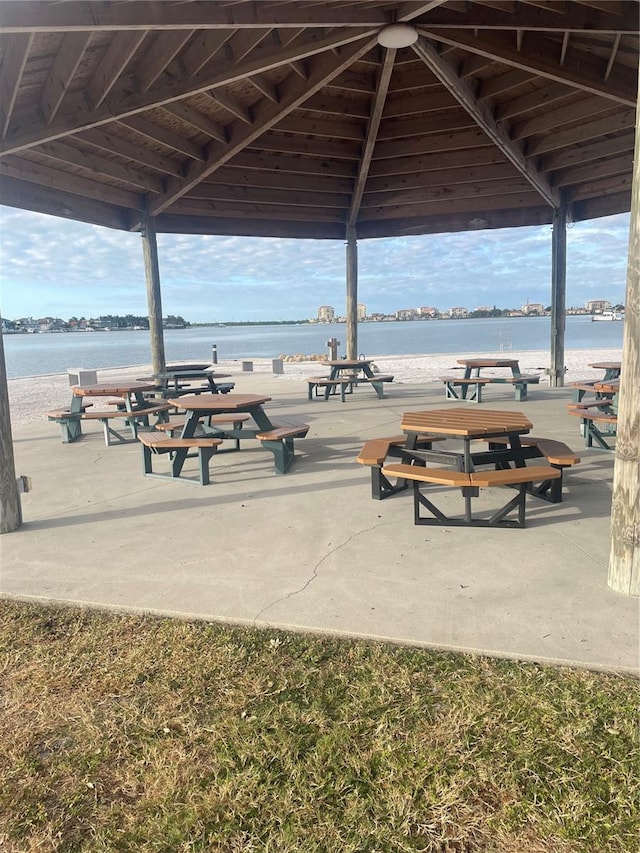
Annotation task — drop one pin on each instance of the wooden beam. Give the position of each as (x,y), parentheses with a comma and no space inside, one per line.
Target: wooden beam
(481,114)
(67,59)
(46,176)
(238,177)
(445,192)
(477,207)
(246,226)
(580,154)
(281,143)
(447,178)
(231,105)
(620,165)
(166,137)
(446,122)
(323,69)
(323,128)
(99,17)
(16,52)
(158,55)
(623,120)
(197,120)
(486,155)
(97,165)
(373,127)
(558,296)
(119,105)
(116,58)
(581,70)
(204,49)
(624,560)
(300,197)
(534,100)
(565,114)
(129,151)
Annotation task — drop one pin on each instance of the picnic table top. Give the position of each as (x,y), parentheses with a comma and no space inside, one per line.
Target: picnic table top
(606,365)
(219,402)
(347,362)
(115,388)
(488,362)
(465,423)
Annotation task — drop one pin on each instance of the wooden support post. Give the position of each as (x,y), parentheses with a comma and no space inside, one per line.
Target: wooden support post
(154,299)
(352,293)
(624,559)
(10,515)
(558,296)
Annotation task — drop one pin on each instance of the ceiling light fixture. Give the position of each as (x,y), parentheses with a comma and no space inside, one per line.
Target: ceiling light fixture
(397,35)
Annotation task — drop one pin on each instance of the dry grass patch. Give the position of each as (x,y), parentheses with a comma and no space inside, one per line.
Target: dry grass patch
(125,733)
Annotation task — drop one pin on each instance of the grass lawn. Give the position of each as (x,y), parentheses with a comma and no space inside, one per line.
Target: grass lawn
(132,733)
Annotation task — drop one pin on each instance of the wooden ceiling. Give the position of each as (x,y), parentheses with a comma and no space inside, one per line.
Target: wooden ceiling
(287,118)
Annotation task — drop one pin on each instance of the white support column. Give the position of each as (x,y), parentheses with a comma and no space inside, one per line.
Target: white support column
(10,515)
(624,559)
(352,293)
(154,299)
(558,296)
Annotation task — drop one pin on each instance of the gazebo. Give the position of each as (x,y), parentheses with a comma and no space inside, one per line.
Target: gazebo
(331,120)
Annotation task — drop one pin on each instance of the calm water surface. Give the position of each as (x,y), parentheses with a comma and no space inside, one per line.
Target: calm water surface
(33,355)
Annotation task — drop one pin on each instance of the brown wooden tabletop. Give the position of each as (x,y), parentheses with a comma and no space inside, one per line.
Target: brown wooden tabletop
(488,362)
(112,389)
(465,423)
(611,386)
(349,363)
(606,365)
(212,403)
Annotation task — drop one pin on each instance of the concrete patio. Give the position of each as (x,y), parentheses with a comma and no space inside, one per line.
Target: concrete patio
(311,550)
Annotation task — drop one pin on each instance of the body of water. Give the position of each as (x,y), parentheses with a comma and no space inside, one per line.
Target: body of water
(33,355)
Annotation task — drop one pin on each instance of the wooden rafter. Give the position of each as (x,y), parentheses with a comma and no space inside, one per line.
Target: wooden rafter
(465,95)
(113,63)
(117,106)
(323,69)
(371,136)
(580,70)
(67,59)
(160,53)
(13,63)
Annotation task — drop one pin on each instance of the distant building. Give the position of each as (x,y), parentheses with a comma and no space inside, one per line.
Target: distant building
(427,311)
(597,306)
(362,311)
(326,314)
(406,314)
(484,308)
(533,308)
(458,312)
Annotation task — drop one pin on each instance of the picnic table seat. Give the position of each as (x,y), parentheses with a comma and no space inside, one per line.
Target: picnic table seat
(158,443)
(70,421)
(522,477)
(329,385)
(557,454)
(374,453)
(476,383)
(378,381)
(598,422)
(236,419)
(279,440)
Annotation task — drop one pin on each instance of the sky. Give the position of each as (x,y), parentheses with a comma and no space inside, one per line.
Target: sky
(51,266)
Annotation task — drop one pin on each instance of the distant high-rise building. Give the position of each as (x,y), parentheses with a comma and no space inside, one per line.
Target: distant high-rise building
(326,313)
(362,311)
(597,306)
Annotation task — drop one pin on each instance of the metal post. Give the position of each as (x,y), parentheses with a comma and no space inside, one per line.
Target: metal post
(214,354)
(352,293)
(154,299)
(558,296)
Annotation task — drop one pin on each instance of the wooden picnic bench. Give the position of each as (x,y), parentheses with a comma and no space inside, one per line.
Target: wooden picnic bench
(329,385)
(158,443)
(236,419)
(374,453)
(279,440)
(420,476)
(69,421)
(472,386)
(598,422)
(556,453)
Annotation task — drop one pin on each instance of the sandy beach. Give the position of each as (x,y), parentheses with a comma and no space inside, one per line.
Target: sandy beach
(31,397)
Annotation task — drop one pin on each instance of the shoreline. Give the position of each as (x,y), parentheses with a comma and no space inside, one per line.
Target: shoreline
(30,397)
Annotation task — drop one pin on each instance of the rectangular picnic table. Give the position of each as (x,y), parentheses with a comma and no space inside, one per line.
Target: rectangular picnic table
(612,371)
(131,400)
(357,370)
(469,385)
(172,380)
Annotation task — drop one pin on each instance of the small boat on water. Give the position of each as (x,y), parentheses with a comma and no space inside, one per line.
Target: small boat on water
(608,316)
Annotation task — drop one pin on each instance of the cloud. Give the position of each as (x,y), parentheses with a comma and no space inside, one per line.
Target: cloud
(52,266)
